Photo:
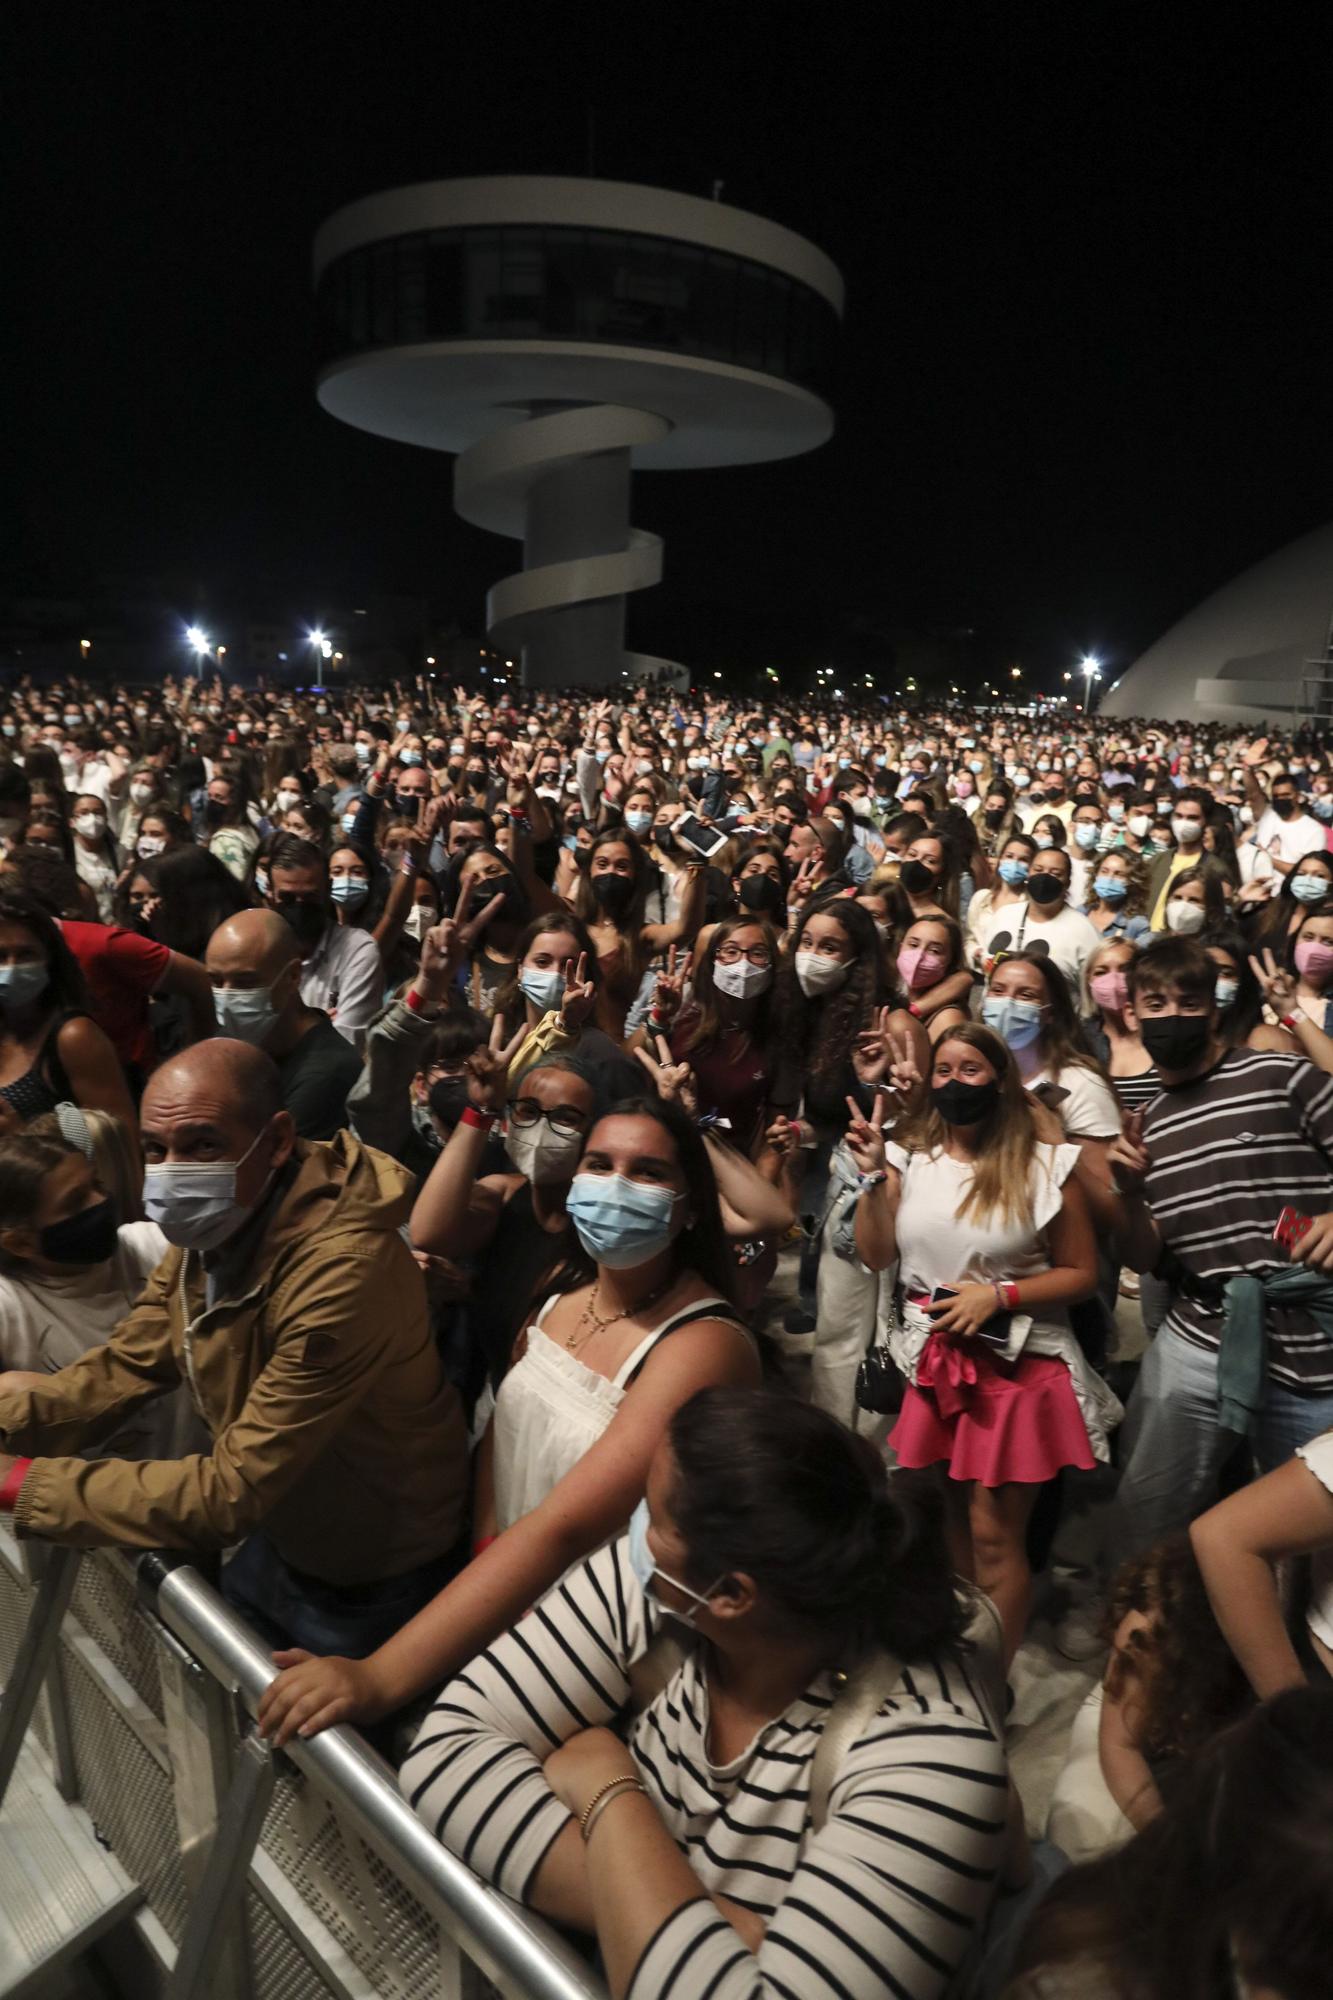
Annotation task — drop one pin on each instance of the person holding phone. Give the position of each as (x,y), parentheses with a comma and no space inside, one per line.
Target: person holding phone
(994,1243)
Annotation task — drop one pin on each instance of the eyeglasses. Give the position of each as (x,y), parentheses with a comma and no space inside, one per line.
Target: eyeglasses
(731,954)
(561,1118)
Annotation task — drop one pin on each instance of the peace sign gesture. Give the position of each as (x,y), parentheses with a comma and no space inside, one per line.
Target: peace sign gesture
(670,988)
(804,882)
(580,993)
(873,1052)
(488,1068)
(904,1077)
(1278,984)
(471,928)
(673,1081)
(865,1136)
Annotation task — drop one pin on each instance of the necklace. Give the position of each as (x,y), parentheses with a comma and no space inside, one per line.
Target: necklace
(591,1317)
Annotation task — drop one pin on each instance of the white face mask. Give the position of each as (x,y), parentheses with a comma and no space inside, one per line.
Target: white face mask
(817,973)
(91,825)
(194,1204)
(541,1155)
(743,981)
(1183,918)
(1140,825)
(419,920)
(141,794)
(287,801)
(149,844)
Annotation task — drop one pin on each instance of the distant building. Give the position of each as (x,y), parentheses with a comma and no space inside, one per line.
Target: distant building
(554,334)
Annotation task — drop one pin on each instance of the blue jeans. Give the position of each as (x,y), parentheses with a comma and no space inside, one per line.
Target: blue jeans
(1172,1449)
(292,1609)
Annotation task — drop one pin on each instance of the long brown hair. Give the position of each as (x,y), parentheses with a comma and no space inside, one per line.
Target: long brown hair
(1007,1139)
(629,929)
(1062,1041)
(1190,1684)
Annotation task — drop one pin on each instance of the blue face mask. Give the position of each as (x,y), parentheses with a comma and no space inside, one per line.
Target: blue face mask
(1016,1022)
(411,757)
(1323,804)
(1086,834)
(546,990)
(1015,873)
(349,890)
(1225,991)
(1110,889)
(621,1222)
(1309,888)
(644,1565)
(23,983)
(638,822)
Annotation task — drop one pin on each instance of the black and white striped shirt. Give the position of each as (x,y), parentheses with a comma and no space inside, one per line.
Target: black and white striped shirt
(1229,1152)
(879,1905)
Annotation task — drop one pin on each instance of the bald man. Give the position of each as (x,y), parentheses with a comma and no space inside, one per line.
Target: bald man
(254,964)
(293,1307)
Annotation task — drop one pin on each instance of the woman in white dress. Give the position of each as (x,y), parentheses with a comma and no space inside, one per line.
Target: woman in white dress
(636,1322)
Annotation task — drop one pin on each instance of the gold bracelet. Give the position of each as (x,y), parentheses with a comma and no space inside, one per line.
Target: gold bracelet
(600,1800)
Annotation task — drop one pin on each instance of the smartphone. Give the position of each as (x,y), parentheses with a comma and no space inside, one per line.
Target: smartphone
(705,840)
(1291,1226)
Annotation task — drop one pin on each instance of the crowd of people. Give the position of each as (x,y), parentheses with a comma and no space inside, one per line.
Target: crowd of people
(608,1220)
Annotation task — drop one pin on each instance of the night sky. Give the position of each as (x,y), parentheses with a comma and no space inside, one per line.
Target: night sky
(1085,374)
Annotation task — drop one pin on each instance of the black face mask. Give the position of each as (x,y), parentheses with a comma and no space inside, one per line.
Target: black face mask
(448,1098)
(995,817)
(407,803)
(1284,808)
(614,893)
(513,905)
(1045,888)
(916,878)
(437,759)
(214,812)
(960,1103)
(762,893)
(1175,1041)
(307,920)
(86,1238)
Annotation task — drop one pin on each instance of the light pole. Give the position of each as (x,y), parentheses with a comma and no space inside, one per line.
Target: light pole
(1091,671)
(199,640)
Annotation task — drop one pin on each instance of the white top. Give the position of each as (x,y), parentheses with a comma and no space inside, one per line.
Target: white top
(235,848)
(551,1408)
(1068,937)
(1318,1455)
(1089,1109)
(46,1323)
(1295,837)
(97,872)
(935,1248)
(343,977)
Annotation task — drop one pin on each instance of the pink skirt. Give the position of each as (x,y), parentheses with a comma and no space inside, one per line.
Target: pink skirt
(998,1422)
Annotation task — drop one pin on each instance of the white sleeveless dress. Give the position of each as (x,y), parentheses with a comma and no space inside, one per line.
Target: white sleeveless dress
(550,1408)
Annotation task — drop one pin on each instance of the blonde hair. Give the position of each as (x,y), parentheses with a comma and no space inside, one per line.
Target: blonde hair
(116,1162)
(1007,1140)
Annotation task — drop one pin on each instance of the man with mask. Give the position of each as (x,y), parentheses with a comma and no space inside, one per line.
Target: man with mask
(294,1309)
(1203,1176)
(254,965)
(1282,826)
(340,965)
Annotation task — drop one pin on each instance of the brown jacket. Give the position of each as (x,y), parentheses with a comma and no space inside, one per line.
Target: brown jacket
(332,1422)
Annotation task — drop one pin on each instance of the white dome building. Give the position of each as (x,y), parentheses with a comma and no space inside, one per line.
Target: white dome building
(1255,650)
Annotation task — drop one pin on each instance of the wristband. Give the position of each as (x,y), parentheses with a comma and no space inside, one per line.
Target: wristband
(483,1542)
(416,1003)
(871,1180)
(480,1121)
(14,1478)
(409,866)
(1007,1294)
(1291,1022)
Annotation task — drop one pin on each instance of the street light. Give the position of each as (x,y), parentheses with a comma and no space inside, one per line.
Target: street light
(1015,673)
(197,638)
(85,647)
(1091,671)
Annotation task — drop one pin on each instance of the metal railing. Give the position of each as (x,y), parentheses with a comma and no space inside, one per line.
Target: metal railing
(287,1877)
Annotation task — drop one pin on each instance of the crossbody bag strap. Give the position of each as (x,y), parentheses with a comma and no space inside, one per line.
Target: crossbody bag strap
(855,1706)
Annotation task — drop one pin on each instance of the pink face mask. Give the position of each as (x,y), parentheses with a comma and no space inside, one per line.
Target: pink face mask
(920,968)
(1110,989)
(1314,960)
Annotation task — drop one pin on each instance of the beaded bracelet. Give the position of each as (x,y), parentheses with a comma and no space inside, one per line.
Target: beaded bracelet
(592,1812)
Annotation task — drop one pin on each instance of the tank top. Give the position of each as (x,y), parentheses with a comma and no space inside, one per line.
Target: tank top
(551,1408)
(45,1085)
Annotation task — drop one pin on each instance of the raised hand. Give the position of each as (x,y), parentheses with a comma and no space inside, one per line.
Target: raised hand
(441,955)
(804,882)
(1256,752)
(488,1068)
(580,994)
(865,1136)
(670,988)
(671,1080)
(471,928)
(1278,984)
(903,1077)
(873,1052)
(1128,1158)
(782,1137)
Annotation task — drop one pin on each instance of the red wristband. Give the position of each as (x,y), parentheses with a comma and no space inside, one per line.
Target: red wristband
(481,1121)
(415,1004)
(483,1542)
(1010,1295)
(15,1477)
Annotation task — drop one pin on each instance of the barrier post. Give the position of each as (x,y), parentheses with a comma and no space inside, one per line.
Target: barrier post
(57,1569)
(217,1911)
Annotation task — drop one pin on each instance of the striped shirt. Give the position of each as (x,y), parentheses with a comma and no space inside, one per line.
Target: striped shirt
(879,1905)
(1229,1152)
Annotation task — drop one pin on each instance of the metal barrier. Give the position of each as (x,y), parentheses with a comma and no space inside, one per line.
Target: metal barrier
(297,1877)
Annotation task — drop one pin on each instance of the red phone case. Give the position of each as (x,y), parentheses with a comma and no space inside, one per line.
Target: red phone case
(1291,1226)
